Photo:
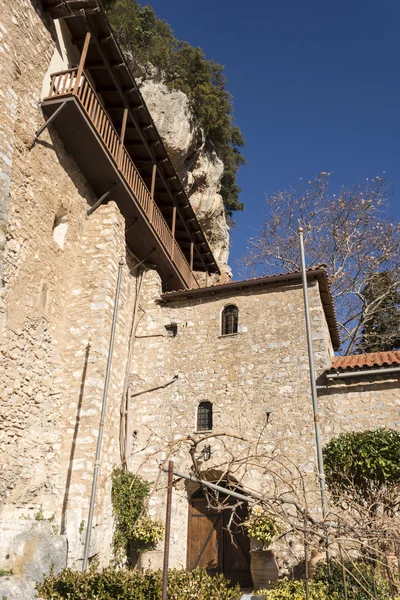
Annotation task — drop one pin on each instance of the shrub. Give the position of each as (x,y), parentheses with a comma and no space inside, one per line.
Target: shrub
(361,571)
(296,590)
(126,584)
(361,464)
(261,526)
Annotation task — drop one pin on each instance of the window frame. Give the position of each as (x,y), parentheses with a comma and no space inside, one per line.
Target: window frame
(209,416)
(235,324)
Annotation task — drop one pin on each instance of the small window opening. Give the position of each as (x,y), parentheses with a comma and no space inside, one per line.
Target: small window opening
(60,228)
(230,319)
(172,329)
(204,416)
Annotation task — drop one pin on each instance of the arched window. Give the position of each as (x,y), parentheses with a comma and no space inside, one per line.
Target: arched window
(230,319)
(204,416)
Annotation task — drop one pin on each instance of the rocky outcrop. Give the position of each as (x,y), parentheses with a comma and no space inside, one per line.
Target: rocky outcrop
(196,162)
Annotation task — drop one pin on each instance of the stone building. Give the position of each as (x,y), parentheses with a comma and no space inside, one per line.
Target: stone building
(94,199)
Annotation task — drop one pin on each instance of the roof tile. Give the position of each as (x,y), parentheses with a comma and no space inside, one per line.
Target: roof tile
(372,360)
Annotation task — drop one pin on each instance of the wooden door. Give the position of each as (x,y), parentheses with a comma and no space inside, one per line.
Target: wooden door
(204,537)
(212,547)
(236,549)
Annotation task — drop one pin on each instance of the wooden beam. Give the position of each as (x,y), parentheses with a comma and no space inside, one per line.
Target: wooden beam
(153,180)
(122,136)
(191,255)
(82,60)
(173,230)
(99,65)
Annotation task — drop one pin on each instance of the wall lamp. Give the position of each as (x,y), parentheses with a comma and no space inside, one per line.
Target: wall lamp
(206,453)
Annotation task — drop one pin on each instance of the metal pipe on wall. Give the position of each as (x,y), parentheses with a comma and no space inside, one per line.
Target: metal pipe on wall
(365,373)
(102,418)
(167,531)
(313,383)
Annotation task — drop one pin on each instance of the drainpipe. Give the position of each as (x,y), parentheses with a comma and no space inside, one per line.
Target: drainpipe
(102,418)
(363,373)
(320,460)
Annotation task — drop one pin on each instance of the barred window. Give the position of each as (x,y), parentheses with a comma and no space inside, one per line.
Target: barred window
(230,319)
(204,416)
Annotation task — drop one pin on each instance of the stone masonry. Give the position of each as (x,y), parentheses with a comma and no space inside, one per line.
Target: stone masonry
(58,275)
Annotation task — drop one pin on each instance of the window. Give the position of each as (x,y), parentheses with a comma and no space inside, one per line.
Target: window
(204,416)
(230,318)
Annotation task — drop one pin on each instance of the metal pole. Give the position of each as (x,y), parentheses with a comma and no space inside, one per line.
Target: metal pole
(306,565)
(167,531)
(320,460)
(216,487)
(102,417)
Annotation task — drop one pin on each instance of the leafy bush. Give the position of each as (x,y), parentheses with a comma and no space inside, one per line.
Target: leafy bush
(360,464)
(126,584)
(296,590)
(261,526)
(133,527)
(150,43)
(360,571)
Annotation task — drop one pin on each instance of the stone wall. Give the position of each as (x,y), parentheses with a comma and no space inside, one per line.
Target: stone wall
(59,272)
(262,369)
(360,403)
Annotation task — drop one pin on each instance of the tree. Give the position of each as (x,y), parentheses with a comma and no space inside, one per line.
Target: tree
(351,232)
(155,52)
(381,329)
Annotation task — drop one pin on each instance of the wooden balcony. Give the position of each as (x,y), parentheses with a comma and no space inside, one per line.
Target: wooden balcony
(90,136)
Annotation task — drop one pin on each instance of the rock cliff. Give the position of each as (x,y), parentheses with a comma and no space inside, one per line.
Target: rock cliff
(196,162)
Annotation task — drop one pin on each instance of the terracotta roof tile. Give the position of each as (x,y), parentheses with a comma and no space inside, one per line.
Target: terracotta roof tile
(373,360)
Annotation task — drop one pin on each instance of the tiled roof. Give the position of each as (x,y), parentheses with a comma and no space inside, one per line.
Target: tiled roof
(373,360)
(293,277)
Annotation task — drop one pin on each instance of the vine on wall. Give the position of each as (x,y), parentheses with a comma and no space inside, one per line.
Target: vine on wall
(135,531)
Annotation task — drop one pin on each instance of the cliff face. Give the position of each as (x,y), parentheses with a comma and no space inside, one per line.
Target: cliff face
(196,162)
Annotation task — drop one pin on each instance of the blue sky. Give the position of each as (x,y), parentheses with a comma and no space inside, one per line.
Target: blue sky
(316,87)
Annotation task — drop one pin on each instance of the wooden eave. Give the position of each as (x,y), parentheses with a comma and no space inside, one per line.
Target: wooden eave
(115,84)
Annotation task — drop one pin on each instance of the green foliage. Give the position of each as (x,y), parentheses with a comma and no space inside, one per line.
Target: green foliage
(381,331)
(261,526)
(133,526)
(4,573)
(359,575)
(126,584)
(150,43)
(296,590)
(359,465)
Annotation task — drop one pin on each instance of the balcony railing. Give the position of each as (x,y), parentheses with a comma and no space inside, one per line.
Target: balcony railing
(65,83)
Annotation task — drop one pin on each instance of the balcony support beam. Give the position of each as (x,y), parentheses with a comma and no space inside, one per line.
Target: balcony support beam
(47,123)
(82,60)
(99,201)
(100,49)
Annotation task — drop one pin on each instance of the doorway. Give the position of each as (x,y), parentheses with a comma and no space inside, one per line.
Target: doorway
(212,547)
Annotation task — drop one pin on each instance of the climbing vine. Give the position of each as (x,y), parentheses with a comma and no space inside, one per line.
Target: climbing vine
(134,529)
(154,50)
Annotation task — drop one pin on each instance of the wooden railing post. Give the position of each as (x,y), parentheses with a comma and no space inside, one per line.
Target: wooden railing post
(191,255)
(82,62)
(122,136)
(153,180)
(173,230)
(152,188)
